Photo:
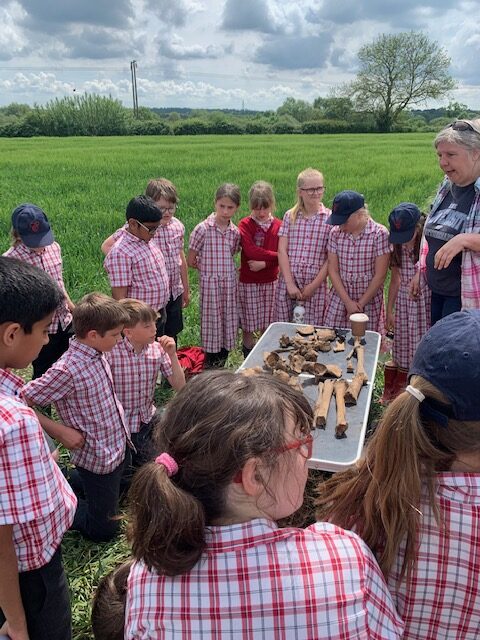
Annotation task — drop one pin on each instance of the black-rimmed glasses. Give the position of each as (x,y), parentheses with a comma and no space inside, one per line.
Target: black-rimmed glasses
(312,191)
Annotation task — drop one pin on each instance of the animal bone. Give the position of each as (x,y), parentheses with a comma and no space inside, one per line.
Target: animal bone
(320,411)
(340,387)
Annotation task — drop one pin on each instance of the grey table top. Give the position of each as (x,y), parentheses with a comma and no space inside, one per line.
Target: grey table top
(329,453)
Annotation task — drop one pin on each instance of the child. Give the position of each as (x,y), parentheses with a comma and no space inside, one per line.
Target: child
(108,608)
(210,560)
(302,252)
(169,239)
(36,504)
(136,362)
(259,263)
(33,242)
(358,257)
(93,422)
(213,244)
(408,317)
(415,495)
(135,266)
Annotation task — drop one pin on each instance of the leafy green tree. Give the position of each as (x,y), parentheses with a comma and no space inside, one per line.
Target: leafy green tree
(335,107)
(397,71)
(298,109)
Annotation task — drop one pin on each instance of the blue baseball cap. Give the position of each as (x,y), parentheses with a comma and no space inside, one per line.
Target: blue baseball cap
(31,224)
(448,357)
(403,220)
(344,204)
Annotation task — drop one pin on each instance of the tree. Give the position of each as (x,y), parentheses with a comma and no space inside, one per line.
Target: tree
(298,109)
(335,107)
(397,71)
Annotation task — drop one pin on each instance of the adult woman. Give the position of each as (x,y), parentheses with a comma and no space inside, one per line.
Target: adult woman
(210,560)
(450,256)
(415,496)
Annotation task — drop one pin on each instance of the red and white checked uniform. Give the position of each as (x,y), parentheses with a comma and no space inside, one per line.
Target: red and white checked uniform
(169,239)
(307,253)
(256,289)
(218,283)
(80,385)
(34,496)
(140,267)
(412,316)
(356,263)
(49,261)
(134,379)
(441,598)
(257,581)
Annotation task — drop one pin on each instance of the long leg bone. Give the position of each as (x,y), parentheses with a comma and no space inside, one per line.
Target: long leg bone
(340,387)
(320,411)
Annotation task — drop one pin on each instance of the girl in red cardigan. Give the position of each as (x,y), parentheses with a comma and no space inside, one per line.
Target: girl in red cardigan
(259,263)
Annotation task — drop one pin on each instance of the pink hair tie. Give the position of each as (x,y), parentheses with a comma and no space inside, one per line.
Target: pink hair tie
(168,462)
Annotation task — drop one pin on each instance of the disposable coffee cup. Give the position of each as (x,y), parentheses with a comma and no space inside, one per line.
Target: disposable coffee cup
(358,322)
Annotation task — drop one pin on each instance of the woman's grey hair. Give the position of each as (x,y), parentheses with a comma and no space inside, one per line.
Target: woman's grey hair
(468,139)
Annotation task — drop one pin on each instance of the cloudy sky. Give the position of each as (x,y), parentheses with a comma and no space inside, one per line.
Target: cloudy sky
(216,53)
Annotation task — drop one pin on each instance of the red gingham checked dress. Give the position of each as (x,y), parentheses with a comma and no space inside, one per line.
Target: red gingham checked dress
(356,261)
(256,289)
(134,378)
(218,283)
(169,239)
(140,267)
(34,495)
(441,598)
(412,316)
(307,252)
(80,385)
(255,581)
(49,261)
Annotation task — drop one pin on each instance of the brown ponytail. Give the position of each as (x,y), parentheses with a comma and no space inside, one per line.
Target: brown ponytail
(380,497)
(211,428)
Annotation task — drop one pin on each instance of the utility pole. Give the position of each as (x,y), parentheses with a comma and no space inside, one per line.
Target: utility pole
(133,69)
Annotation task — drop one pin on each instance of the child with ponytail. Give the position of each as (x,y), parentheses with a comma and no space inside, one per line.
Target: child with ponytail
(209,558)
(415,496)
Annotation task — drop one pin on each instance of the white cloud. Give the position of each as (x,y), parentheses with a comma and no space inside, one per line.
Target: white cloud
(216,52)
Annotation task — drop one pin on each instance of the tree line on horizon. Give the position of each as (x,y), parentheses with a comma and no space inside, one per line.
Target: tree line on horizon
(396,73)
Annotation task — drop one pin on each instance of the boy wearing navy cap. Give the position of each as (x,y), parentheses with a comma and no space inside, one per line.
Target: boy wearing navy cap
(34,243)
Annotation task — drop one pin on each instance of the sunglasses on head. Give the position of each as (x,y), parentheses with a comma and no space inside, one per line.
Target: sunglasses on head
(463,125)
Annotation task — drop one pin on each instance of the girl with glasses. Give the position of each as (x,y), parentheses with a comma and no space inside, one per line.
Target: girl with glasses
(302,252)
(209,558)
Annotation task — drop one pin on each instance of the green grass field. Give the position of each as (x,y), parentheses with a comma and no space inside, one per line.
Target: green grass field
(84,185)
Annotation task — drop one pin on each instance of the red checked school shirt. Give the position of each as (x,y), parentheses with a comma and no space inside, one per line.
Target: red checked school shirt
(134,379)
(34,496)
(140,267)
(441,597)
(49,261)
(80,385)
(257,581)
(169,239)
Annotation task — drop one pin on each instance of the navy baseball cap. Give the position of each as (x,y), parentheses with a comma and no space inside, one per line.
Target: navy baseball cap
(344,204)
(403,220)
(31,224)
(448,357)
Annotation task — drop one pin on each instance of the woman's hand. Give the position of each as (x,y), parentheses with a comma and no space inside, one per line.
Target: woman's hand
(450,249)
(390,321)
